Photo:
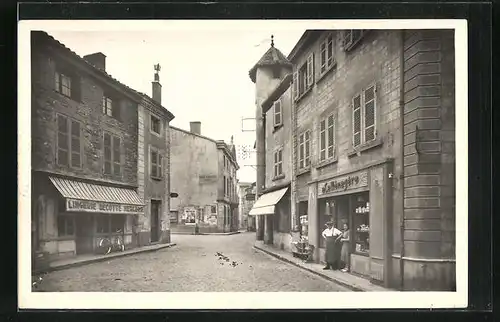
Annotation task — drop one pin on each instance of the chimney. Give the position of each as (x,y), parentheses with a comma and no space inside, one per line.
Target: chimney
(195,127)
(97,59)
(156,85)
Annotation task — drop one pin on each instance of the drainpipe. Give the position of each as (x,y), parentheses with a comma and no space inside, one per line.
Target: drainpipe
(402,182)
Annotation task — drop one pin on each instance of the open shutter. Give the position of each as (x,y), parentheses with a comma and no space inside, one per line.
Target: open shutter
(322,140)
(331,136)
(107,153)
(277,113)
(160,165)
(369,113)
(62,140)
(356,120)
(347,41)
(310,70)
(295,85)
(322,57)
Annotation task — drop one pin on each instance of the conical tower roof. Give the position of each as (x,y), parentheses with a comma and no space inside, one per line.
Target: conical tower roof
(272,57)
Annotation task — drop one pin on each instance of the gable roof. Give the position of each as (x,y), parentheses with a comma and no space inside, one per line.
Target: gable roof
(42,36)
(272,57)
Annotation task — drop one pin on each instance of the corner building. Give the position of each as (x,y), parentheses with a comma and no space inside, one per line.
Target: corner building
(373,146)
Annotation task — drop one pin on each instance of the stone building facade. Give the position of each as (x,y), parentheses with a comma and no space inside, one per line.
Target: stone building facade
(153,168)
(203,175)
(84,151)
(244,205)
(373,148)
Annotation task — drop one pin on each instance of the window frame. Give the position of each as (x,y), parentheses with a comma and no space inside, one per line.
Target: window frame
(352,41)
(113,150)
(362,111)
(66,217)
(58,83)
(278,106)
(328,125)
(278,163)
(107,105)
(157,164)
(304,146)
(303,77)
(329,60)
(151,122)
(69,141)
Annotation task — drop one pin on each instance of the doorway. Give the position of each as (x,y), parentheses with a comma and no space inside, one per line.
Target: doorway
(84,234)
(155,220)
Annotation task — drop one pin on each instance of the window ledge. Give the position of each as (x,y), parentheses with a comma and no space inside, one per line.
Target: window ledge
(303,171)
(365,147)
(281,176)
(301,96)
(156,178)
(327,162)
(326,72)
(277,127)
(154,133)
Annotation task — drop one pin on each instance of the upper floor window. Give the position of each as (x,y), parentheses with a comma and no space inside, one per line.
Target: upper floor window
(155,125)
(278,162)
(112,155)
(107,106)
(364,116)
(69,149)
(327,138)
(304,150)
(156,161)
(327,59)
(67,84)
(303,78)
(277,113)
(63,84)
(351,37)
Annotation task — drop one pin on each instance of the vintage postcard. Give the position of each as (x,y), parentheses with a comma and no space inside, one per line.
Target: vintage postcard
(210,164)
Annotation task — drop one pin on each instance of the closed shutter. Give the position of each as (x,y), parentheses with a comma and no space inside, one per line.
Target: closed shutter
(62,140)
(295,83)
(75,145)
(322,140)
(107,153)
(310,70)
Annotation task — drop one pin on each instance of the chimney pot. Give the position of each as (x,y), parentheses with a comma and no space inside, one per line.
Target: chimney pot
(98,60)
(195,127)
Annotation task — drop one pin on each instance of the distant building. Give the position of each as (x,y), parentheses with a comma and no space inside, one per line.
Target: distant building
(203,175)
(243,207)
(85,152)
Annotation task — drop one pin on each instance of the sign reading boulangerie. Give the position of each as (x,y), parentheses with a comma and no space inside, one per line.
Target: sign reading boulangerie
(104,207)
(344,183)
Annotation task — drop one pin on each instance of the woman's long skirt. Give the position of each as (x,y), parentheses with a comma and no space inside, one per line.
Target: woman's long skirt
(344,253)
(332,253)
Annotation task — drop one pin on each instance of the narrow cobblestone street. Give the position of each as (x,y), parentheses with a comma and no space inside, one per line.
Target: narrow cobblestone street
(205,263)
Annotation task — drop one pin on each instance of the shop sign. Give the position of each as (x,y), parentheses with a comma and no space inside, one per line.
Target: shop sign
(344,183)
(103,207)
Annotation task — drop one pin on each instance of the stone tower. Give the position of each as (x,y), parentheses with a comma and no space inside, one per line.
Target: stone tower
(266,74)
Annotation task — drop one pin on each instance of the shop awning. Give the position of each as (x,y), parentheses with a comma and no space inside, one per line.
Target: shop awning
(266,203)
(87,197)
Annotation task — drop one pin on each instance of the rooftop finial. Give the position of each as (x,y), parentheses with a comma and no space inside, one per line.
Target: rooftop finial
(157,68)
(272,40)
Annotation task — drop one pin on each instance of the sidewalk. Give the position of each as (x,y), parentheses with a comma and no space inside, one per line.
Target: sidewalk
(192,233)
(351,281)
(93,258)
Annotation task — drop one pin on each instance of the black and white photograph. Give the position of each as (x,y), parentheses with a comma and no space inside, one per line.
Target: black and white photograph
(211,164)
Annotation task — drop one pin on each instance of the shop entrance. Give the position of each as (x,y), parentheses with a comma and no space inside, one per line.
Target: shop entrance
(155,220)
(83,234)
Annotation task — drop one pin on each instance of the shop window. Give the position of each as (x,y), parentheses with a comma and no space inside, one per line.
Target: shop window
(117,223)
(364,117)
(65,225)
(156,161)
(277,113)
(361,223)
(327,60)
(327,138)
(351,38)
(103,224)
(303,78)
(69,148)
(304,150)
(213,209)
(112,155)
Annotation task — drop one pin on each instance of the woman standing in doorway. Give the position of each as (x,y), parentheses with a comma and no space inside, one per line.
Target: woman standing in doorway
(344,253)
(330,234)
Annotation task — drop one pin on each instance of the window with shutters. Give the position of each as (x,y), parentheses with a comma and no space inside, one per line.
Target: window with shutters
(155,125)
(107,106)
(351,38)
(303,78)
(304,150)
(327,60)
(156,161)
(225,186)
(364,117)
(277,113)
(69,148)
(327,138)
(278,163)
(112,155)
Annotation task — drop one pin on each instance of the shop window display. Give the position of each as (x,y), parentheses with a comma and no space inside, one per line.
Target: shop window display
(361,227)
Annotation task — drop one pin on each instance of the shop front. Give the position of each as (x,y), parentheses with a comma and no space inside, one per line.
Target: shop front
(75,217)
(360,202)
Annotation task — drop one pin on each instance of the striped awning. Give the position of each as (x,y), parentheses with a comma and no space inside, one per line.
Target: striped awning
(88,197)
